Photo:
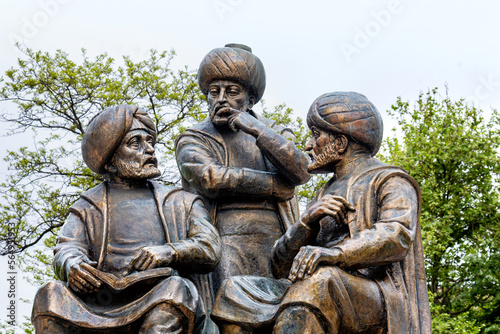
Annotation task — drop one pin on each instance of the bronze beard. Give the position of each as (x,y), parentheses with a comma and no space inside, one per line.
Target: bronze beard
(135,170)
(327,157)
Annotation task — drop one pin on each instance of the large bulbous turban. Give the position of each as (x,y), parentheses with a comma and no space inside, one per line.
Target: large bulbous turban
(234,62)
(350,114)
(106,131)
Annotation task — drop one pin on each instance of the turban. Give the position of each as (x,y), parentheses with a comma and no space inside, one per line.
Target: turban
(234,62)
(350,114)
(106,131)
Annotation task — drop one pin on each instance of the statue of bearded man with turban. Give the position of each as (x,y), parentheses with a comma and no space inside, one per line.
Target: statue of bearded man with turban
(354,259)
(128,247)
(243,164)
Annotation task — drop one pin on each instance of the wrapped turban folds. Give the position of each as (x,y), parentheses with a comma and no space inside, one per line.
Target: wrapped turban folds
(106,131)
(234,62)
(350,114)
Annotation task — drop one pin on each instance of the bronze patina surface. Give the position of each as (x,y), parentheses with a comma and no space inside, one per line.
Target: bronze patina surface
(243,164)
(353,261)
(129,246)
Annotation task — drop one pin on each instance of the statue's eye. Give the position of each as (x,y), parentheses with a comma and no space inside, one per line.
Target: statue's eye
(233,91)
(133,143)
(214,91)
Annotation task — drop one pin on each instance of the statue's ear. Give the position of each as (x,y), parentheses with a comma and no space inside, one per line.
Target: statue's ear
(251,102)
(110,167)
(342,143)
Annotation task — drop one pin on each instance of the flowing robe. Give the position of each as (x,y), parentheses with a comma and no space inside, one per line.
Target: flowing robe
(186,227)
(239,195)
(382,245)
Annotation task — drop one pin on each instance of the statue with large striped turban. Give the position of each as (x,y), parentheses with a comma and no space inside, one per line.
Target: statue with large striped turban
(242,163)
(234,62)
(353,259)
(129,247)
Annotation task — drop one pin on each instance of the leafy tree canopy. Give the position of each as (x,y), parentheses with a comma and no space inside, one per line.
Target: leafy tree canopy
(452,150)
(56,97)
(449,147)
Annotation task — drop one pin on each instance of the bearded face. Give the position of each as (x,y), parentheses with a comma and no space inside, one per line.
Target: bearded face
(134,169)
(323,151)
(135,158)
(224,95)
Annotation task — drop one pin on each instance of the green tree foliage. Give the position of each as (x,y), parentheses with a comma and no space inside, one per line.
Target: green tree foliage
(452,150)
(56,98)
(448,146)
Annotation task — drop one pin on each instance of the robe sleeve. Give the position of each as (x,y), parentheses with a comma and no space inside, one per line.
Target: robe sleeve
(72,246)
(201,251)
(390,238)
(200,166)
(284,155)
(286,248)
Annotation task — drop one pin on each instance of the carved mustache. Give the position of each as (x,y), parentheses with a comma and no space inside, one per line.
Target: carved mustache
(150,160)
(221,110)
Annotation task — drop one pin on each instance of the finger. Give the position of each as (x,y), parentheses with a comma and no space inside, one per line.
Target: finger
(313,264)
(90,279)
(299,257)
(293,269)
(292,274)
(301,262)
(146,263)
(231,122)
(337,199)
(152,264)
(337,210)
(80,279)
(133,262)
(143,256)
(77,277)
(128,270)
(331,213)
(86,289)
(86,286)
(295,265)
(304,265)
(92,263)
(73,286)
(348,205)
(233,112)
(76,285)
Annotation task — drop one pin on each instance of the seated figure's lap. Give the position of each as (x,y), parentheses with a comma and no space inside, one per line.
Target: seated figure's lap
(333,291)
(247,242)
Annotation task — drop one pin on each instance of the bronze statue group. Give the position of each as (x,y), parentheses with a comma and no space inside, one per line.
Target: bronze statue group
(229,252)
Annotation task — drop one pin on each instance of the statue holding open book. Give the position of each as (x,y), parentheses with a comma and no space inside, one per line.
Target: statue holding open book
(132,254)
(129,245)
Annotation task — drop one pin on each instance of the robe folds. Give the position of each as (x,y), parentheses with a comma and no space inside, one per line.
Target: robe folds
(383,246)
(187,228)
(240,198)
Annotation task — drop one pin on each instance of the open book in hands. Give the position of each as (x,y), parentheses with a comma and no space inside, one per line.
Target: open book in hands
(121,283)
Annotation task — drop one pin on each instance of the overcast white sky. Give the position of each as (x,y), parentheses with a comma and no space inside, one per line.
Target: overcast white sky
(381,48)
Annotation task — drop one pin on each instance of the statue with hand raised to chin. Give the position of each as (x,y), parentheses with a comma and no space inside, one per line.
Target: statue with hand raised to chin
(244,165)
